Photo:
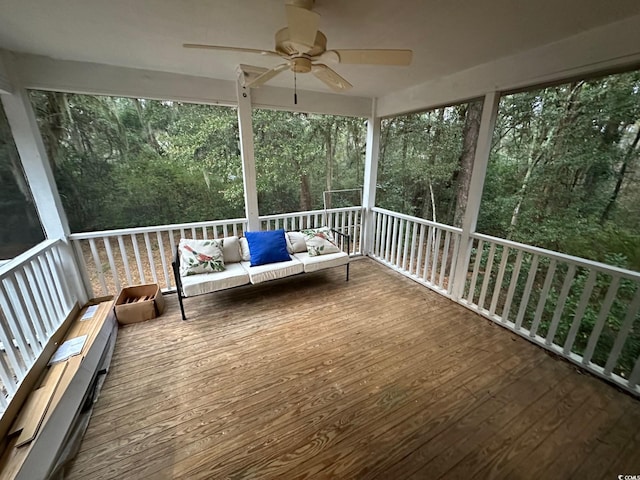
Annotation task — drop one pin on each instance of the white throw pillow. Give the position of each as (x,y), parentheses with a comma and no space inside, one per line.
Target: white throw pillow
(244,250)
(200,256)
(320,241)
(231,249)
(296,241)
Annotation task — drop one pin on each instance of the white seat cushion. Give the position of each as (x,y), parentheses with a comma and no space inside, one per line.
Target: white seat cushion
(233,276)
(320,262)
(273,271)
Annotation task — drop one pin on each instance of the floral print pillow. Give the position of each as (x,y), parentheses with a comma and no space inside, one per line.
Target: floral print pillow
(320,241)
(200,256)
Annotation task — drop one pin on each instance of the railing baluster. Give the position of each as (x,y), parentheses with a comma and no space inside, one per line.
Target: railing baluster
(582,306)
(420,250)
(193,233)
(456,249)
(136,252)
(172,243)
(427,253)
(147,243)
(551,271)
(98,264)
(46,323)
(163,258)
(125,260)
(7,381)
(497,288)
(445,255)
(405,249)
(512,287)
(27,303)
(634,378)
(387,226)
(396,241)
(436,254)
(557,314)
(52,284)
(205,234)
(82,263)
(378,234)
(235,229)
(22,337)
(487,275)
(476,269)
(112,264)
(524,301)
(7,335)
(623,333)
(412,254)
(612,292)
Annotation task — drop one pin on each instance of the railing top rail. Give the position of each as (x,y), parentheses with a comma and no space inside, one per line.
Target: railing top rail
(154,228)
(417,220)
(582,262)
(309,212)
(27,256)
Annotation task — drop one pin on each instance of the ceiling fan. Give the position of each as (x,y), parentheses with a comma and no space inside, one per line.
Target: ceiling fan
(304,48)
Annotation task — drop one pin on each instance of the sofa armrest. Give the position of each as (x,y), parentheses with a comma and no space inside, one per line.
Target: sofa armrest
(343,237)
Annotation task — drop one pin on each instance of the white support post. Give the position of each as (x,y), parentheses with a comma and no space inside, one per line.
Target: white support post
(33,155)
(480,162)
(38,171)
(245,124)
(370,178)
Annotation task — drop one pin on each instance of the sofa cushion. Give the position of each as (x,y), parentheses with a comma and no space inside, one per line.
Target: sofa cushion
(245,254)
(296,242)
(234,276)
(200,256)
(273,271)
(320,241)
(320,262)
(231,249)
(266,247)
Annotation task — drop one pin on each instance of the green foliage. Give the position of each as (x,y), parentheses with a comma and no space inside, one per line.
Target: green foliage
(122,162)
(419,154)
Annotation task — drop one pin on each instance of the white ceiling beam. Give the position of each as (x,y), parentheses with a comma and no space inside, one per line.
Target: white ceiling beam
(43,73)
(610,47)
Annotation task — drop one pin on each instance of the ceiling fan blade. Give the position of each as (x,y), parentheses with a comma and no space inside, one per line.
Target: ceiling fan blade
(303,26)
(266,76)
(334,81)
(370,57)
(230,49)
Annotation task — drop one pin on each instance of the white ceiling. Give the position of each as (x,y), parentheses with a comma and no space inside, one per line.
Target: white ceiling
(446,35)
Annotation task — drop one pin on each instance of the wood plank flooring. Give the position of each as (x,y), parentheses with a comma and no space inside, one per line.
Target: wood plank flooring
(313,377)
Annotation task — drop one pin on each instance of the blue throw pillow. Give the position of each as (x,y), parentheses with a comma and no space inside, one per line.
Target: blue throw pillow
(267,247)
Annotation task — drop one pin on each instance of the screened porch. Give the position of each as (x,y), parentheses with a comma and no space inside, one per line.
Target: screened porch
(450,352)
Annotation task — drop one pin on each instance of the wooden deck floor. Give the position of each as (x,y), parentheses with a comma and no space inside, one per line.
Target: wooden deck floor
(312,377)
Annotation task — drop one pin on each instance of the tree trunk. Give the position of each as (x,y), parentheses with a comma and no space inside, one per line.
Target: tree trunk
(465,164)
(305,193)
(329,148)
(623,170)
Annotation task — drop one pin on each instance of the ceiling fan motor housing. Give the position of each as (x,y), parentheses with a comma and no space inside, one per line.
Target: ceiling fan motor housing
(286,46)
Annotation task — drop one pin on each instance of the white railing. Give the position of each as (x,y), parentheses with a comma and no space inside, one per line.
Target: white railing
(115,258)
(420,249)
(586,311)
(346,220)
(36,295)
